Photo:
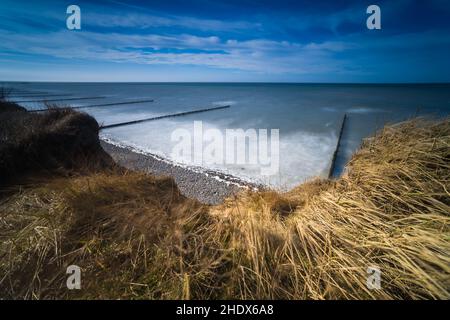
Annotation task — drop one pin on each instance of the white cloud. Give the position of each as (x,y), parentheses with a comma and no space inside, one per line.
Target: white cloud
(259,55)
(143,21)
(256,55)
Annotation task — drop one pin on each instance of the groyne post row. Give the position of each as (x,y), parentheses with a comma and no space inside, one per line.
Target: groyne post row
(333,159)
(101,105)
(113,104)
(25,91)
(66,99)
(162,117)
(37,95)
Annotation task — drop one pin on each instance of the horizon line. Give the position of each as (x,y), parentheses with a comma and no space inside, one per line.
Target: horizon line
(224,82)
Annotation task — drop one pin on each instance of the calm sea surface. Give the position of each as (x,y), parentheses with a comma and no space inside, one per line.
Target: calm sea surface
(308,116)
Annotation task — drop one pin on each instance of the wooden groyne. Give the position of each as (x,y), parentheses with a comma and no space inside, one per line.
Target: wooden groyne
(113,104)
(333,159)
(101,105)
(37,95)
(26,91)
(65,99)
(162,117)
(20,90)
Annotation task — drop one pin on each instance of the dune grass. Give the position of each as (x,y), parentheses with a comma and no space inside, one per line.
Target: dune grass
(60,139)
(136,237)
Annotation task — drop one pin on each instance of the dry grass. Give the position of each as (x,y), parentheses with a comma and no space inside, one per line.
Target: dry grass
(46,142)
(135,236)
(391,210)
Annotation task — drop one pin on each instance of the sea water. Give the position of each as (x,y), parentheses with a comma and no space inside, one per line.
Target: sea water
(308,116)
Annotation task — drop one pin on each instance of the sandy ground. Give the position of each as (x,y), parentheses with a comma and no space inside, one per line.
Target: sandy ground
(203,186)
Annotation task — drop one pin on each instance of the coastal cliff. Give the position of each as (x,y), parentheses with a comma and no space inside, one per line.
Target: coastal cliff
(136,236)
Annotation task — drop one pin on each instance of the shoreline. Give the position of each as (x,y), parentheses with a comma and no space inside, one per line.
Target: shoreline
(207,186)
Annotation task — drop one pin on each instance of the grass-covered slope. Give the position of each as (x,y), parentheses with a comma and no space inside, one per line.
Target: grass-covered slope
(47,142)
(135,236)
(391,211)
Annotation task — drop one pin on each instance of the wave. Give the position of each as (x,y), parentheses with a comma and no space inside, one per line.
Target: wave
(302,155)
(224,103)
(363,110)
(354,110)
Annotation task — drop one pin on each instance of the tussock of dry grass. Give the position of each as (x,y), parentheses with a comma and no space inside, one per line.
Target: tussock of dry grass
(47,141)
(135,236)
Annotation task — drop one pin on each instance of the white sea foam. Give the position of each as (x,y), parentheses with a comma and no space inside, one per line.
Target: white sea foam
(363,110)
(303,155)
(355,110)
(224,103)
(329,109)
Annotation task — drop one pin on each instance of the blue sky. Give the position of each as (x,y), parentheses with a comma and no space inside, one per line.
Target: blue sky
(256,41)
